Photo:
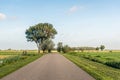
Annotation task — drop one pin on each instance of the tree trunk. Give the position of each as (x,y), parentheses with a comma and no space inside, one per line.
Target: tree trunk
(38,50)
(49,50)
(38,46)
(43,50)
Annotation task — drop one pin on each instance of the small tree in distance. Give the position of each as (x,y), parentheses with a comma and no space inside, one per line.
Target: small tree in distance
(102,47)
(66,49)
(81,49)
(97,48)
(59,47)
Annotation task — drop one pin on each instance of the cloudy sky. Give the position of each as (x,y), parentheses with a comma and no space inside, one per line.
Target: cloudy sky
(78,22)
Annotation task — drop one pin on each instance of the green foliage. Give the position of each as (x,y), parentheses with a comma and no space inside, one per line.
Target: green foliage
(50,45)
(9,60)
(59,47)
(82,48)
(113,64)
(111,51)
(66,49)
(44,46)
(47,45)
(13,59)
(39,33)
(97,48)
(24,52)
(102,47)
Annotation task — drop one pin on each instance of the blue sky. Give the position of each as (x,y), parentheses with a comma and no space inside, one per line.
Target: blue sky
(78,22)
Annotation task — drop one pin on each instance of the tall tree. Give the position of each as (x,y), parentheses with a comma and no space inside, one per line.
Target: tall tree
(39,33)
(59,46)
(102,47)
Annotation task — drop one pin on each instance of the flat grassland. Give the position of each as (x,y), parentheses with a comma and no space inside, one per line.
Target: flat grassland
(13,60)
(4,56)
(101,65)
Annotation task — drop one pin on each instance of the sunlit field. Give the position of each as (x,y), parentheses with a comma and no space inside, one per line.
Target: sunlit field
(4,56)
(101,65)
(8,58)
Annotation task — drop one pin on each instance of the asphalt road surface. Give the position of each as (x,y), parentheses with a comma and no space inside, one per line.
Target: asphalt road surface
(49,67)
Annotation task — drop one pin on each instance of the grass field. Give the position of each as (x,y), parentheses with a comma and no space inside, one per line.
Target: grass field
(13,60)
(4,56)
(16,52)
(95,64)
(110,59)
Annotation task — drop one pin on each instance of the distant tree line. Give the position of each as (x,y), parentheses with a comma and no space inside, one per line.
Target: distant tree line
(66,48)
(102,47)
(61,48)
(43,33)
(83,48)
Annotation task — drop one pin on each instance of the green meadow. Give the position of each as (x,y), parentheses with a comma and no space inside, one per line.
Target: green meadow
(101,65)
(13,60)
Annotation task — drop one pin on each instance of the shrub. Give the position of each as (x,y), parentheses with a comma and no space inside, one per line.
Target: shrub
(110,51)
(24,52)
(11,60)
(113,64)
(66,49)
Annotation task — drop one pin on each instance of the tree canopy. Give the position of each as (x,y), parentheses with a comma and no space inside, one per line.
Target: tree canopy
(59,46)
(47,45)
(39,33)
(102,47)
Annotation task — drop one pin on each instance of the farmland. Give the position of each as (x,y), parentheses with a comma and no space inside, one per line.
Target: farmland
(13,60)
(101,65)
(4,56)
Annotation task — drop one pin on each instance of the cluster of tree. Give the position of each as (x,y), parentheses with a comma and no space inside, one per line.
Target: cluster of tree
(59,47)
(47,45)
(42,34)
(83,48)
(102,47)
(64,49)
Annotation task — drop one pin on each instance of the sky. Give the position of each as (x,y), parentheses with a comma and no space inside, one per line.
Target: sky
(78,22)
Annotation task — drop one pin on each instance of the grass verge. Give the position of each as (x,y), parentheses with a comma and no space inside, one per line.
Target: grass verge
(97,70)
(5,70)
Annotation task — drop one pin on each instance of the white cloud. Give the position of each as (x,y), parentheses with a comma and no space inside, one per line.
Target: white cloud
(2,16)
(73,9)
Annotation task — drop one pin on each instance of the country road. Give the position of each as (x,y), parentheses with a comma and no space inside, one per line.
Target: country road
(49,67)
